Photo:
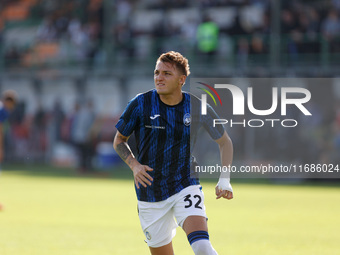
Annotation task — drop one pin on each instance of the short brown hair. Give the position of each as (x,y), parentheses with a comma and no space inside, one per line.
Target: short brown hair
(10,95)
(176,59)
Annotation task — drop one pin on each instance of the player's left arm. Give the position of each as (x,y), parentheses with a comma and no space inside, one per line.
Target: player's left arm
(223,187)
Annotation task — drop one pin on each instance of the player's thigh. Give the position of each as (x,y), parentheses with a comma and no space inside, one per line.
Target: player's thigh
(164,250)
(158,223)
(190,202)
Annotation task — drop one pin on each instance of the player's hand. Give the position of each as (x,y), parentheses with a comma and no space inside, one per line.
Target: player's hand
(224,189)
(223,193)
(141,176)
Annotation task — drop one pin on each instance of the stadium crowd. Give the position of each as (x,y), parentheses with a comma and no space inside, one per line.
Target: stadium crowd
(85,28)
(317,138)
(32,138)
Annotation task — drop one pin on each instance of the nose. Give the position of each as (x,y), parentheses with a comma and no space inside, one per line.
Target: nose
(159,77)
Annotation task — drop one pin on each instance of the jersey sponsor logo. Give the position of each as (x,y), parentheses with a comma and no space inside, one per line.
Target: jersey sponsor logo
(155,116)
(187,119)
(158,127)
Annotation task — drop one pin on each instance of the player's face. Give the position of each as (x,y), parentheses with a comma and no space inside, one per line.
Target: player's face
(168,80)
(9,105)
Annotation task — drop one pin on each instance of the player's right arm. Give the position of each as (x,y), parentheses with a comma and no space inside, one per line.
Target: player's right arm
(139,171)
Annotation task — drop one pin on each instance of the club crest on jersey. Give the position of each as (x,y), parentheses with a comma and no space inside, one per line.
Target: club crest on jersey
(148,236)
(187,119)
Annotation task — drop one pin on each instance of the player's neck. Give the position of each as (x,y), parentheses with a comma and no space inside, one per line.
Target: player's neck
(172,99)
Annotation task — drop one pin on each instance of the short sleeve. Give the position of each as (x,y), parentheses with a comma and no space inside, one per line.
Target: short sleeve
(129,119)
(208,124)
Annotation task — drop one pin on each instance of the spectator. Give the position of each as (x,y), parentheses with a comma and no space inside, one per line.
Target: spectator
(80,40)
(336,4)
(257,46)
(242,53)
(331,25)
(207,37)
(124,9)
(188,32)
(124,39)
(12,57)
(47,31)
(314,21)
(288,22)
(57,119)
(9,98)
(39,134)
(82,122)
(237,28)
(330,29)
(7,104)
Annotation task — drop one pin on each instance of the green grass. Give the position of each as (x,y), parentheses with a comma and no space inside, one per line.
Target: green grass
(55,212)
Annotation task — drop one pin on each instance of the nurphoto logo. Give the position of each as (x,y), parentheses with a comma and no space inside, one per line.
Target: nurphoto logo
(301,97)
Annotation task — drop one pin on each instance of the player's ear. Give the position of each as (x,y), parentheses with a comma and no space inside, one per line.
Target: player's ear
(182,79)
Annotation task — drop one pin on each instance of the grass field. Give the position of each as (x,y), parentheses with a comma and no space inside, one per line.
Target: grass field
(49,211)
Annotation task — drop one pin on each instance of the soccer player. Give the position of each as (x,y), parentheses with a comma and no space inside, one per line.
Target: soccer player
(7,104)
(167,194)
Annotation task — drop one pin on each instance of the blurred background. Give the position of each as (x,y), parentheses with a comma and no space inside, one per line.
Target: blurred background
(76,63)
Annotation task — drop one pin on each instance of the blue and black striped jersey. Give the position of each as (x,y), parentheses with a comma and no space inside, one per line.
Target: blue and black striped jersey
(163,140)
(3,113)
